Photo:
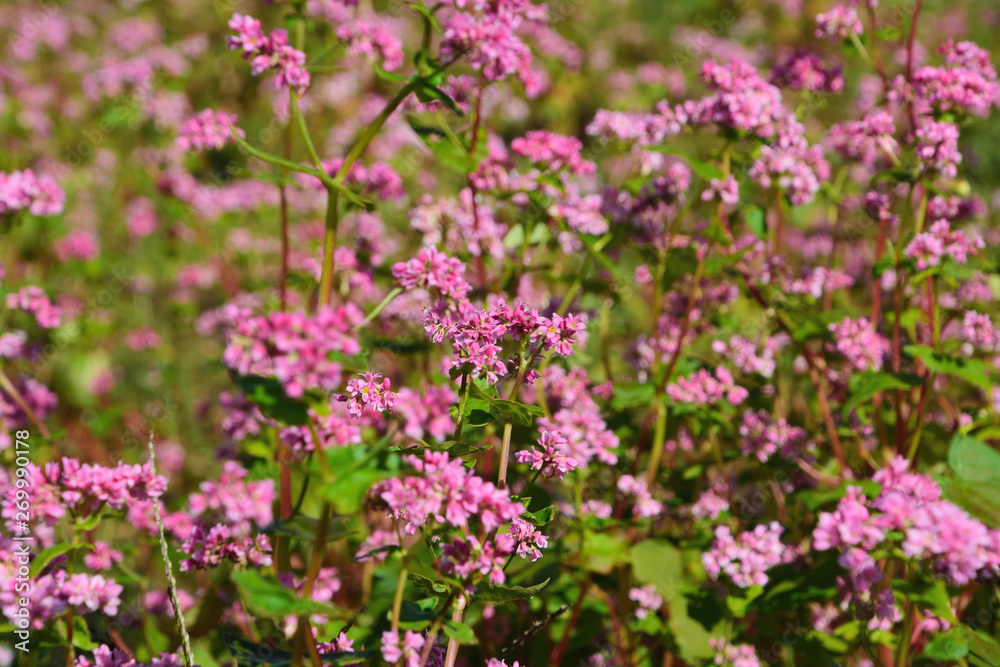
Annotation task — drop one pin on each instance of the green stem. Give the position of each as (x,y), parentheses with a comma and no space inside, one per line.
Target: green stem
(305,132)
(379,308)
(464,391)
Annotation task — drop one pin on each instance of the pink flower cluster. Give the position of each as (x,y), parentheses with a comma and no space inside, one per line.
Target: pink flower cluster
(859,342)
(294,347)
(269,52)
(554,151)
(206,129)
(550,461)
(371,36)
(866,139)
(370,394)
(446,493)
(523,540)
(804,70)
(104,656)
(427,415)
(646,600)
(406,650)
(733,655)
(577,417)
(937,147)
(637,490)
(33,300)
(931,247)
(220,520)
(839,23)
(704,388)
(746,558)
(967,81)
(433,269)
(23,190)
(763,436)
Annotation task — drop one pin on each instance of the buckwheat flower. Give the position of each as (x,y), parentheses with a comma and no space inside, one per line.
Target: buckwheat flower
(704,388)
(733,655)
(553,152)
(143,338)
(796,170)
(646,600)
(371,393)
(206,129)
(371,37)
(427,415)
(862,346)
(466,557)
(433,269)
(865,140)
(850,525)
(726,190)
(806,71)
(23,190)
(746,558)
(12,344)
(269,52)
(978,333)
(931,247)
(937,147)
(493,662)
(79,244)
(103,557)
(710,504)
(33,300)
(407,650)
(558,333)
(839,23)
(528,542)
(764,436)
(91,593)
(967,82)
(645,507)
(550,460)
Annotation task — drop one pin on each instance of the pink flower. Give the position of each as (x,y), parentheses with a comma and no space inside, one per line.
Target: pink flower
(370,394)
(207,129)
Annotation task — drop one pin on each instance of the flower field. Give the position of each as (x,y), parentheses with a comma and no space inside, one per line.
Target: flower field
(498,333)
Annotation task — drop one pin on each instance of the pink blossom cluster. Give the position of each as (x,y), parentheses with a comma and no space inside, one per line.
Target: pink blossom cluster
(523,539)
(554,151)
(859,342)
(219,523)
(550,461)
(867,139)
(427,415)
(458,224)
(206,129)
(955,546)
(105,656)
(432,269)
(839,23)
(406,650)
(937,147)
(804,70)
(577,417)
(79,244)
(707,388)
(746,558)
(36,395)
(978,333)
(645,506)
(269,52)
(646,599)
(931,247)
(445,493)
(33,300)
(23,190)
(733,655)
(378,178)
(763,436)
(371,393)
(296,348)
(372,37)
(967,81)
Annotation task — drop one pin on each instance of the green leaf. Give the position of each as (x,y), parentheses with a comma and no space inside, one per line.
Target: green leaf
(267,597)
(347,491)
(865,385)
(50,554)
(928,594)
(500,593)
(542,516)
(632,395)
(428,586)
(460,632)
(269,395)
(972,371)
(602,551)
(90,522)
(739,601)
(679,263)
(659,563)
(754,216)
(815,499)
(414,617)
(950,645)
(704,169)
(974,461)
(982,647)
